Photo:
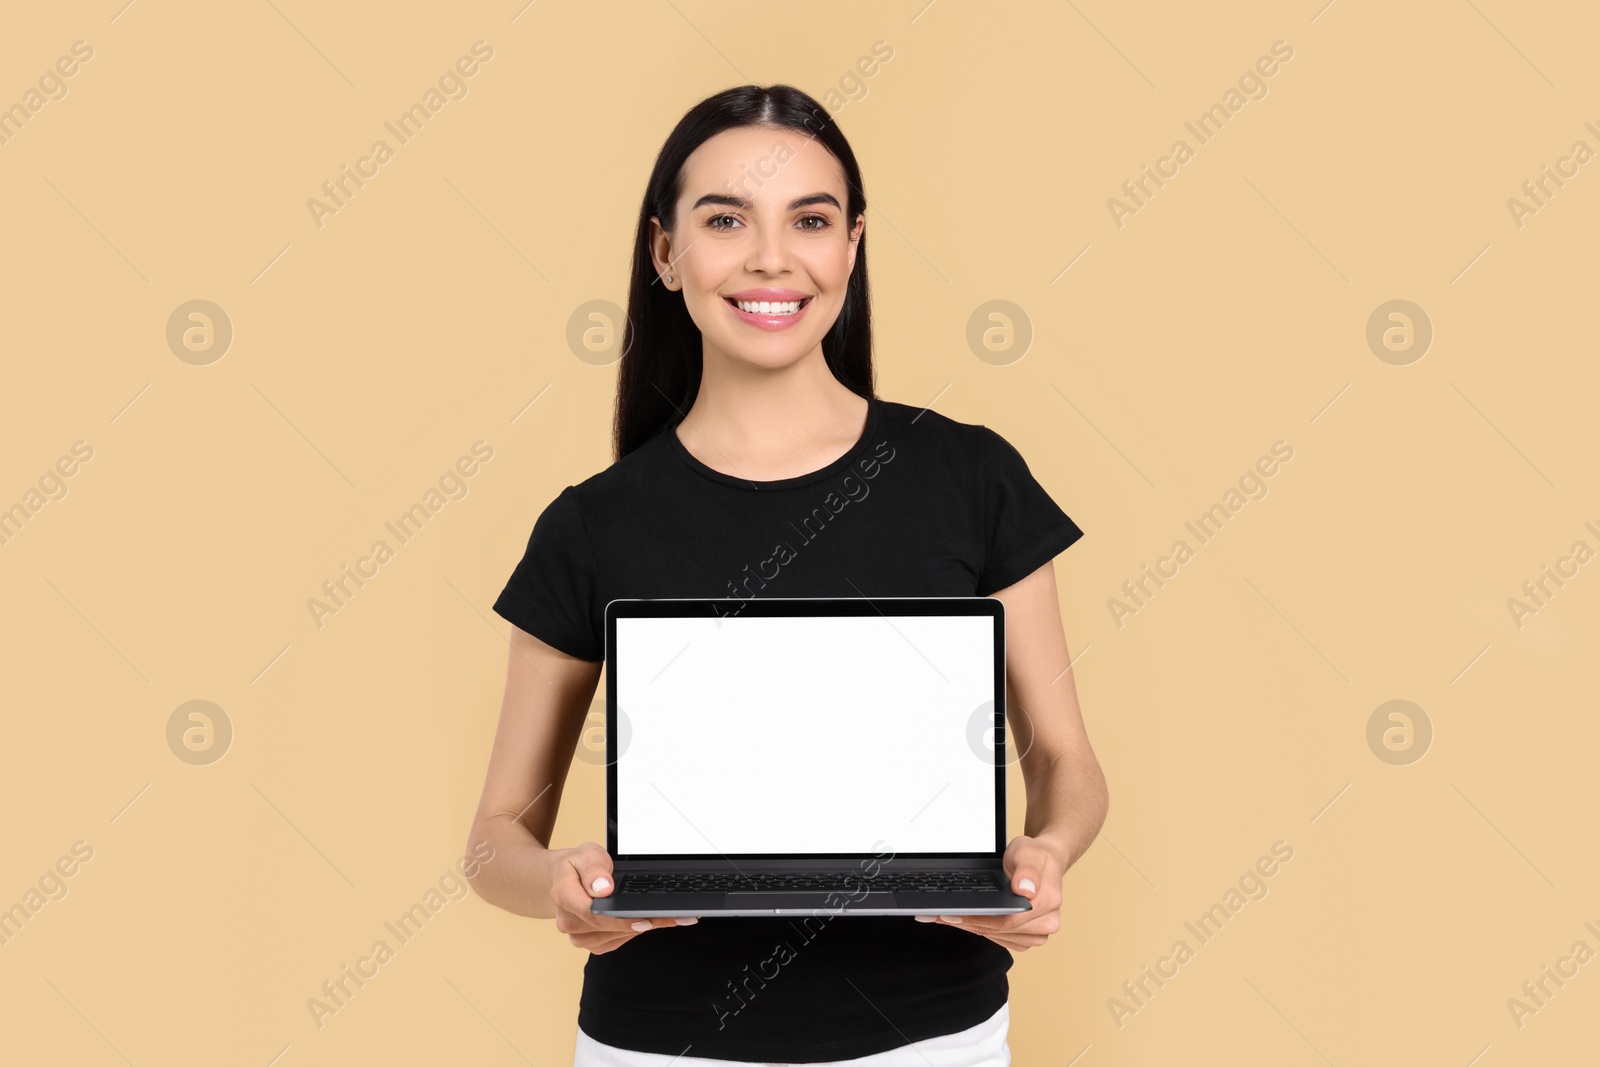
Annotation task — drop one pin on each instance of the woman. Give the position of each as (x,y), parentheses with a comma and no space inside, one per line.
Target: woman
(753,458)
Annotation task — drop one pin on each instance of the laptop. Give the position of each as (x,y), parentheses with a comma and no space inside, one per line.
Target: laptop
(794,756)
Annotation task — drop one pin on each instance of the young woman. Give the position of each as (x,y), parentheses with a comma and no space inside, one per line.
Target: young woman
(753,458)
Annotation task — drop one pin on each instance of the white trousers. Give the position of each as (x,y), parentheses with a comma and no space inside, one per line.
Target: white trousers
(983,1045)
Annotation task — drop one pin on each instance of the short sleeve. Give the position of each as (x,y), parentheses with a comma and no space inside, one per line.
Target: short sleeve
(551,593)
(1025,527)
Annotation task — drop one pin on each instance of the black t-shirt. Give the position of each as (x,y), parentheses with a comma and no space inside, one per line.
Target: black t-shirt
(921,505)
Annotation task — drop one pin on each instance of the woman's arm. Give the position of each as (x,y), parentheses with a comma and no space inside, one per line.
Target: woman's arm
(1067,797)
(547,695)
(546,699)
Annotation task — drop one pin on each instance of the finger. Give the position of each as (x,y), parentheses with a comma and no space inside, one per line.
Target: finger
(1047,923)
(1044,924)
(570,895)
(583,874)
(1020,943)
(983,924)
(974,922)
(1040,927)
(1028,940)
(591,939)
(641,925)
(581,918)
(1024,864)
(600,943)
(1040,913)
(593,866)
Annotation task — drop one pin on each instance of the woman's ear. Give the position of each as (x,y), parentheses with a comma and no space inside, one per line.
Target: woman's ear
(855,239)
(660,250)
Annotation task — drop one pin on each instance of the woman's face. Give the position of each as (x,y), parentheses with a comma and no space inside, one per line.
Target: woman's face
(761,219)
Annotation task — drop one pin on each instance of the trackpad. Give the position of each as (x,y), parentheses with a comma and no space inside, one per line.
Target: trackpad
(830,901)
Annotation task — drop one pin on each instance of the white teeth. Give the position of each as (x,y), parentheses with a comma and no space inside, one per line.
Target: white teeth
(765,307)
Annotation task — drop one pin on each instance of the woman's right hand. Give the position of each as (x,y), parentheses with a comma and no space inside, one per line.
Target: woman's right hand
(581,874)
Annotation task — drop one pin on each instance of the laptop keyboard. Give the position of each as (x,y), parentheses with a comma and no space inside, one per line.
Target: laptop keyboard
(842,881)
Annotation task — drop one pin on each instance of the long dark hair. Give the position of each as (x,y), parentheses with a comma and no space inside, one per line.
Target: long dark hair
(659,375)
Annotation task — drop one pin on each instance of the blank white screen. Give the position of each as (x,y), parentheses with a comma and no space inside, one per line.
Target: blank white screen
(828,734)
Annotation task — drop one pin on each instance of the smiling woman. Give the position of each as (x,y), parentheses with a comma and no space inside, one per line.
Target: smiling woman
(766,274)
(745,423)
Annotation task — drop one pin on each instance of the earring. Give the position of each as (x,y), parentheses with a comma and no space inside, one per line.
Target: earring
(668,279)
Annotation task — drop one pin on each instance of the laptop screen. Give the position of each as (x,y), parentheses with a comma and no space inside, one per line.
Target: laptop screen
(805,735)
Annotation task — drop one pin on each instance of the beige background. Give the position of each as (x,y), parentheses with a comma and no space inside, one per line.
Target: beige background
(1228,313)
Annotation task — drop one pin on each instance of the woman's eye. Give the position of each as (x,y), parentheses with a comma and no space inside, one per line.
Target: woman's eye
(727,222)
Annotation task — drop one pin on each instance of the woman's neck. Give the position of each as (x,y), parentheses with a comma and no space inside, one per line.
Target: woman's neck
(766,425)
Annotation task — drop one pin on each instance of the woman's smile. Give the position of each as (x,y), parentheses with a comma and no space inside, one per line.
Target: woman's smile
(769,309)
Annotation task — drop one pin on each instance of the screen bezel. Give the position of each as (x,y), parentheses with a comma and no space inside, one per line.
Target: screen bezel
(806,607)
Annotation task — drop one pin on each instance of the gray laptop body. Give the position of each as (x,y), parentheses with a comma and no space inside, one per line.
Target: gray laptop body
(799,756)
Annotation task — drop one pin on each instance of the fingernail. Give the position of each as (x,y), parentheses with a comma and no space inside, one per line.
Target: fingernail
(601,884)
(1026,885)
(951,918)
(642,925)
(687,920)
(925,918)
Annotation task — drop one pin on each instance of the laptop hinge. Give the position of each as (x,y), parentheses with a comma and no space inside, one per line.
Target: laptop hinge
(744,865)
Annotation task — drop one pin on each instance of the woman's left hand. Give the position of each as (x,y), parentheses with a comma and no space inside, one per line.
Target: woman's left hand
(1035,873)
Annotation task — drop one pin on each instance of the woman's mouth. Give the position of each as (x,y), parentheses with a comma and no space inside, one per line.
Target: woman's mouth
(769,314)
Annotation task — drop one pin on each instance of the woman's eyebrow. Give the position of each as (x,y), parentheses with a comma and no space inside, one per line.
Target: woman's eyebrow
(739,202)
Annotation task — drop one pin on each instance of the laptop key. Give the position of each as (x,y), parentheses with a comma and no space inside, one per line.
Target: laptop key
(829,882)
